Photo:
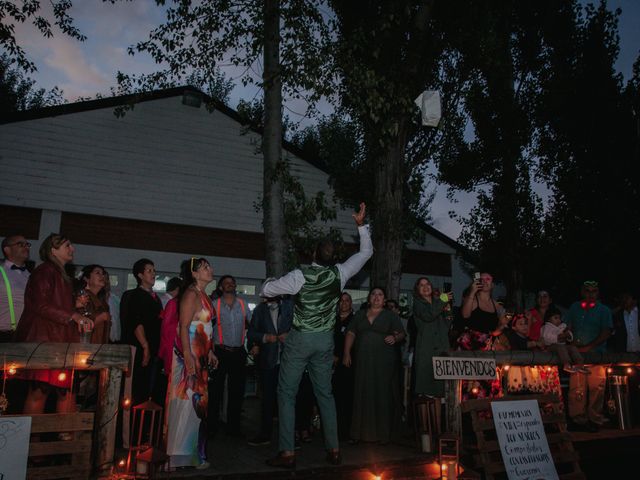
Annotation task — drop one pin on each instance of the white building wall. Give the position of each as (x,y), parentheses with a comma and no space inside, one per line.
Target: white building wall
(163,161)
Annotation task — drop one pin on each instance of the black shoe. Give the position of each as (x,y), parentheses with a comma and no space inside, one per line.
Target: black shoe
(259,441)
(333,458)
(282,461)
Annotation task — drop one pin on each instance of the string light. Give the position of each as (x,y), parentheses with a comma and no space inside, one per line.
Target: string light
(474,390)
(62,376)
(126,403)
(630,370)
(12,370)
(609,370)
(506,368)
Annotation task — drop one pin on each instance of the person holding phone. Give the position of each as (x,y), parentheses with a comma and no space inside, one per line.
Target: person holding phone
(484,321)
(480,309)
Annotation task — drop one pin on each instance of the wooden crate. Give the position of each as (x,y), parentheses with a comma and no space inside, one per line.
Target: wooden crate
(51,458)
(489,457)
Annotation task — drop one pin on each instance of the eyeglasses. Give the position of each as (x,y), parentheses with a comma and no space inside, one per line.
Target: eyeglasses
(20,244)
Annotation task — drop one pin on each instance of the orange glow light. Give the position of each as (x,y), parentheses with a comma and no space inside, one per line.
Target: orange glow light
(548,369)
(609,370)
(474,390)
(126,403)
(506,368)
(630,371)
(122,463)
(12,370)
(62,376)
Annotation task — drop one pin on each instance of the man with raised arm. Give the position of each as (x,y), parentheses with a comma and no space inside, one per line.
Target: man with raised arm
(310,342)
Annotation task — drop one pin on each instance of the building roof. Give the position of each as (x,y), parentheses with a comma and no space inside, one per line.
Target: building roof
(135,98)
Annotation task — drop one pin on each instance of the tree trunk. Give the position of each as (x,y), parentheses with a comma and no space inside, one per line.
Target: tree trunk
(387,214)
(273,192)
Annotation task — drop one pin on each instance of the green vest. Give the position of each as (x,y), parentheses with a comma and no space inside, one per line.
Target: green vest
(316,302)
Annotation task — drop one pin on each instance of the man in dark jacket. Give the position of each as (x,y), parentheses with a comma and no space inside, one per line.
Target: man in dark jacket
(270,324)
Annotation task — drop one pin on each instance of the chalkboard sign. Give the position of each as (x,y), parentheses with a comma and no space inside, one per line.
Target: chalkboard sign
(523,442)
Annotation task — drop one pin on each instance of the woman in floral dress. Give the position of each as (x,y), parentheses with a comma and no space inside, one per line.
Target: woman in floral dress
(187,399)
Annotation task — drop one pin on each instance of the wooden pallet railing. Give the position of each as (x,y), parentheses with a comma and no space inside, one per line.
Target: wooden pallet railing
(112,361)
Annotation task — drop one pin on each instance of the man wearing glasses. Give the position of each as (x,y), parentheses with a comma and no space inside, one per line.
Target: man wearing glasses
(14,273)
(590,321)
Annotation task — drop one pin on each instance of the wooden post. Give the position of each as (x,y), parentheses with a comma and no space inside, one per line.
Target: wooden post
(107,419)
(453,398)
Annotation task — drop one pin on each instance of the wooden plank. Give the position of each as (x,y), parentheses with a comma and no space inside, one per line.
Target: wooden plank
(85,356)
(63,471)
(541,357)
(62,422)
(107,417)
(485,403)
(37,449)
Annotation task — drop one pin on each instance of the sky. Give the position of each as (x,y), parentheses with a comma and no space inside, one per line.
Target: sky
(83,69)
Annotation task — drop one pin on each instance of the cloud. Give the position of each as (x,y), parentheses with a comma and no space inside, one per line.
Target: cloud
(66,55)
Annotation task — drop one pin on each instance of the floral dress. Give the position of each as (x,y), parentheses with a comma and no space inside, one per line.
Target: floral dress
(187,398)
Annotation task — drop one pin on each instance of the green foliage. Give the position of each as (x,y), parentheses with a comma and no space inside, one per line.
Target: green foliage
(304,216)
(12,13)
(214,83)
(588,144)
(202,35)
(18,92)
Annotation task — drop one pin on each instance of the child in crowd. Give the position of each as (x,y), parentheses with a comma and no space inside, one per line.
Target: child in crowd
(554,334)
(518,334)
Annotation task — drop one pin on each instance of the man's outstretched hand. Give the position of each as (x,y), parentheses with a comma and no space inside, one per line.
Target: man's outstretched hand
(359,217)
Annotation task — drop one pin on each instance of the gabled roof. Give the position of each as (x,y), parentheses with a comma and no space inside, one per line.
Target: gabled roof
(131,99)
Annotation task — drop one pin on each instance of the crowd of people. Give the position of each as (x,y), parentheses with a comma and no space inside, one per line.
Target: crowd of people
(312,351)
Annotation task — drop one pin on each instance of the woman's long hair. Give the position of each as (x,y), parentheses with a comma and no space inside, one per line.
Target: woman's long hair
(54,240)
(187,267)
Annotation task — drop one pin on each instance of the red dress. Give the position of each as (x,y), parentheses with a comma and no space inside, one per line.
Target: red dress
(48,306)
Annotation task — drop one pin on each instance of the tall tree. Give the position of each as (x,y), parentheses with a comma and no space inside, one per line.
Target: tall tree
(290,37)
(589,147)
(18,92)
(387,53)
(503,53)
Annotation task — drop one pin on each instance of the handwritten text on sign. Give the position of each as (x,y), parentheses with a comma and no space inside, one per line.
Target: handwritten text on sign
(452,368)
(523,443)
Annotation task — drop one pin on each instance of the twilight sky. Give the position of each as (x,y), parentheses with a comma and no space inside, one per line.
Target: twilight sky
(84,69)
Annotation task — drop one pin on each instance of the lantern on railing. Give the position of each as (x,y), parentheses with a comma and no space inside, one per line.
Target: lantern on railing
(149,462)
(144,444)
(449,456)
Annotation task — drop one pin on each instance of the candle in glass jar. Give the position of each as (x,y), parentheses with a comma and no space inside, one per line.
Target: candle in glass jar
(452,470)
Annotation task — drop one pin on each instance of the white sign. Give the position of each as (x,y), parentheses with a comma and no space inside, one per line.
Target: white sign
(452,368)
(14,447)
(523,442)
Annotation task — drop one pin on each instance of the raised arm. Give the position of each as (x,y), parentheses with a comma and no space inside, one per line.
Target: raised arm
(355,263)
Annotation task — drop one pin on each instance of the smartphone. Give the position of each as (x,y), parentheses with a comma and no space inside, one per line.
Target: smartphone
(476,277)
